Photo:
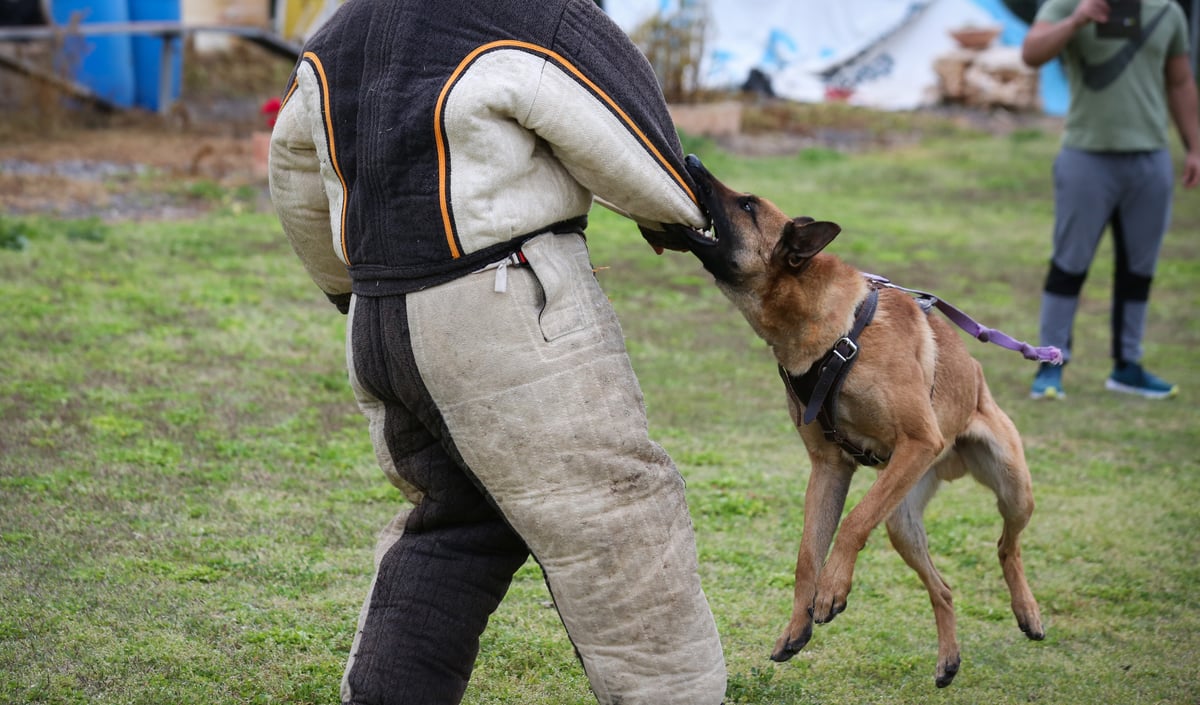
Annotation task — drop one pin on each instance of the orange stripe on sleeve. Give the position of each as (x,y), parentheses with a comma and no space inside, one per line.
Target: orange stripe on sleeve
(291,89)
(443,167)
(337,169)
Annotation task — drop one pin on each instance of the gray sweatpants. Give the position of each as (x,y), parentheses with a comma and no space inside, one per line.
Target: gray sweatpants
(1132,192)
(514,421)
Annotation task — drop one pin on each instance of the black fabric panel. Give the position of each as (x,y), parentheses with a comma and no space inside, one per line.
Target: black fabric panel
(384,90)
(376,280)
(1127,286)
(433,595)
(438,585)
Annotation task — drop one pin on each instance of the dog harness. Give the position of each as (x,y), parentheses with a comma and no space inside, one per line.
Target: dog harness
(817,389)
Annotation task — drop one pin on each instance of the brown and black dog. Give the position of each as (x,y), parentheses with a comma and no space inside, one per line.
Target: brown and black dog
(914,398)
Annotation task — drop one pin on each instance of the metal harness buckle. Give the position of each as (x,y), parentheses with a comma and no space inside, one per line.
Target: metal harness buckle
(845,344)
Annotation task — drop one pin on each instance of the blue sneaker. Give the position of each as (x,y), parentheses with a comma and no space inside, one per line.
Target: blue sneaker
(1048,383)
(1131,378)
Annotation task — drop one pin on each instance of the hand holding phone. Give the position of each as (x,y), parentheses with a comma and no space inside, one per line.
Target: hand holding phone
(1124,20)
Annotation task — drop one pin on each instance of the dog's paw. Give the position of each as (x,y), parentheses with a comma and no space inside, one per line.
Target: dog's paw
(1029,619)
(946,671)
(828,605)
(1033,629)
(794,638)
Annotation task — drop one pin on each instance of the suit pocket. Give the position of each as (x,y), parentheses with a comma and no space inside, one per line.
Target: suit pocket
(561,266)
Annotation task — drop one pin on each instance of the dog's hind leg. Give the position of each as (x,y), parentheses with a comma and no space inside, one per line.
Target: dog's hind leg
(824,499)
(995,457)
(906,529)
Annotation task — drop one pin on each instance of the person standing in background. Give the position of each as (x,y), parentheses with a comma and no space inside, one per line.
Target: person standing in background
(1130,74)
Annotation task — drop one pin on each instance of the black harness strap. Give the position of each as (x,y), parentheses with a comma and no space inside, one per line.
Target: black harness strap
(817,389)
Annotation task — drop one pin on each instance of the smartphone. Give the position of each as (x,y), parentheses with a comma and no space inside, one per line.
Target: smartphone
(1124,20)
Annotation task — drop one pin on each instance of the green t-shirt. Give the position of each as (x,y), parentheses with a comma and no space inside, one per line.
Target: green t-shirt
(1118,86)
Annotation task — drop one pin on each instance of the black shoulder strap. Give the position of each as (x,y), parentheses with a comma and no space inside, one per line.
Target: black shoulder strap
(817,389)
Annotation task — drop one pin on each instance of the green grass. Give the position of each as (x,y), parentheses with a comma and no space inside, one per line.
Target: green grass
(188,498)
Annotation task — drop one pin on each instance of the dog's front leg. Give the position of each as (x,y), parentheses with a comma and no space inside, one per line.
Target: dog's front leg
(824,498)
(911,457)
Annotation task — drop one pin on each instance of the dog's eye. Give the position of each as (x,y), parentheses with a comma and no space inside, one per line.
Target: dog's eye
(747,204)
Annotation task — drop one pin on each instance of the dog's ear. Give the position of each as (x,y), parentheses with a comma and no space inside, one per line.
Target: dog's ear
(802,239)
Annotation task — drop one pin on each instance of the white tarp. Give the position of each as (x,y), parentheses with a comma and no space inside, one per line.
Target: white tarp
(880,52)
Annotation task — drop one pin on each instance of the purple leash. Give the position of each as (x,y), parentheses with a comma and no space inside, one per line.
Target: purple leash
(1047,353)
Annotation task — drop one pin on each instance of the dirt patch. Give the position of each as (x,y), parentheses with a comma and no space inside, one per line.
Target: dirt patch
(121,173)
(68,160)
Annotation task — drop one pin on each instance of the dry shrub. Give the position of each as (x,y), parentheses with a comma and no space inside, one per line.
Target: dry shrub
(674,41)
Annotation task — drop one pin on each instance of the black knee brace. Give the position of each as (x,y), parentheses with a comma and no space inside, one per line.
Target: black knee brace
(1064,283)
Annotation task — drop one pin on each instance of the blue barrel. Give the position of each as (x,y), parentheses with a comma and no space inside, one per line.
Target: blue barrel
(103,63)
(147,53)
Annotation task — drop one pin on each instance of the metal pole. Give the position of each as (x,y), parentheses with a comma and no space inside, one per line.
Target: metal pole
(165,75)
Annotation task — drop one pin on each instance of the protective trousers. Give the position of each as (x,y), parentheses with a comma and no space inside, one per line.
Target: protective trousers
(1132,192)
(504,405)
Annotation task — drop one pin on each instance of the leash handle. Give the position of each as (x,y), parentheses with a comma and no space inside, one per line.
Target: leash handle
(975,329)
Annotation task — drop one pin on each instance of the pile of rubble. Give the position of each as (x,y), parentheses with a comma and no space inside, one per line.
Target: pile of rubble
(979,75)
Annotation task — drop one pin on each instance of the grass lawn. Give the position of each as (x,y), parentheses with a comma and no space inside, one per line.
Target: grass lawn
(188,497)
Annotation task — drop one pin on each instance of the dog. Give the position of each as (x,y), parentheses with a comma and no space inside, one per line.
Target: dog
(913,401)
